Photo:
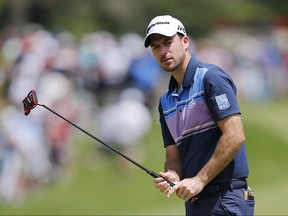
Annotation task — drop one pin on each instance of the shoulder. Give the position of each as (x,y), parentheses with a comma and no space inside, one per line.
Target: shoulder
(210,71)
(215,71)
(217,76)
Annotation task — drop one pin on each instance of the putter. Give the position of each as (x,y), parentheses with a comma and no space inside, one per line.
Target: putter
(31,101)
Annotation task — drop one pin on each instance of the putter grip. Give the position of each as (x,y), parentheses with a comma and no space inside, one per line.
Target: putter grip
(156,175)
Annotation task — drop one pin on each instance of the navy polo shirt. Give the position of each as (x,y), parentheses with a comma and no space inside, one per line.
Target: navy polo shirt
(188,119)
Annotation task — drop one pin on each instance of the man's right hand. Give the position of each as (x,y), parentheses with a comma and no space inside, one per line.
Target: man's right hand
(162,185)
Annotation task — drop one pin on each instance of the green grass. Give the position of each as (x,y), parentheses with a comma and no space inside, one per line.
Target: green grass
(98,187)
(267,145)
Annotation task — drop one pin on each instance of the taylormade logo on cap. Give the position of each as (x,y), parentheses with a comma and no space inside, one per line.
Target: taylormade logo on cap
(154,24)
(165,25)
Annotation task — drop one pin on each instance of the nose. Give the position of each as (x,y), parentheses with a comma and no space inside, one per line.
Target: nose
(163,50)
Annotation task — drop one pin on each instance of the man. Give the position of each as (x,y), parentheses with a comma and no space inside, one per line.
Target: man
(201,128)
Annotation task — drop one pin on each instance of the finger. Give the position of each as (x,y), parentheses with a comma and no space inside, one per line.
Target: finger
(188,197)
(181,192)
(164,175)
(173,189)
(158,180)
(165,189)
(163,186)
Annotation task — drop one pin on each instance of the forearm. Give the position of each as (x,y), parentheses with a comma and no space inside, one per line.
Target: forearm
(173,162)
(221,157)
(174,167)
(227,147)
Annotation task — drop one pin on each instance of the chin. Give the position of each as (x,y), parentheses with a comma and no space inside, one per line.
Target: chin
(170,68)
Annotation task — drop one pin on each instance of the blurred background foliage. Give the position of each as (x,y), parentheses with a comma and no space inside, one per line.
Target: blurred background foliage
(120,16)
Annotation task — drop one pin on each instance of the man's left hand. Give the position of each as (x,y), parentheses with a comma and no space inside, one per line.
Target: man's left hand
(187,188)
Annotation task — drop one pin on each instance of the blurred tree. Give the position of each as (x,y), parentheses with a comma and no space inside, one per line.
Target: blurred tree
(119,16)
(14,12)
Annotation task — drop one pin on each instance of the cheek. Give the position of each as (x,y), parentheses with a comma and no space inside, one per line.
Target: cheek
(179,51)
(156,55)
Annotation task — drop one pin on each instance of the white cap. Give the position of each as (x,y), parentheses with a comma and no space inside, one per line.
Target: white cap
(165,25)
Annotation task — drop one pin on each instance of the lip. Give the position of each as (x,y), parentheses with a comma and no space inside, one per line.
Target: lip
(165,60)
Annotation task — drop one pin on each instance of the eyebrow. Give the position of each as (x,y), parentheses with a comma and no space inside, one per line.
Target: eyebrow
(169,38)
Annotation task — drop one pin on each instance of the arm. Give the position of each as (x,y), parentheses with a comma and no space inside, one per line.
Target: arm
(173,161)
(172,169)
(229,143)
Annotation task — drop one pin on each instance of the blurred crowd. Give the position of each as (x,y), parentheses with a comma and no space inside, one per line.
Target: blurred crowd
(109,86)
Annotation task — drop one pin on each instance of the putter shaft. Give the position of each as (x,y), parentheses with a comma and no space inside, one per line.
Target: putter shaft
(150,172)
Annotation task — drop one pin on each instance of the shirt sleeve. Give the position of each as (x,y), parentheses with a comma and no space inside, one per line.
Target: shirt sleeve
(220,94)
(167,137)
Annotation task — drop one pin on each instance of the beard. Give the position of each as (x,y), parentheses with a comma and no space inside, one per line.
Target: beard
(172,65)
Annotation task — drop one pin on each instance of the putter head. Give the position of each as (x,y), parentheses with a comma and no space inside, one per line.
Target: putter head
(30,102)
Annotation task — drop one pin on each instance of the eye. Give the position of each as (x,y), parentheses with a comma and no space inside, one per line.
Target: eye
(168,41)
(154,47)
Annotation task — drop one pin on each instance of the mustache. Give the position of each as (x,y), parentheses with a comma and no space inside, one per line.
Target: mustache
(165,58)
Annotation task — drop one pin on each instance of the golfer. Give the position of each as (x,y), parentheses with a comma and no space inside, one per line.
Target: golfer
(201,128)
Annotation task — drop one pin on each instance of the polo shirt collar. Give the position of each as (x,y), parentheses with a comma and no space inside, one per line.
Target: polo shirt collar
(188,77)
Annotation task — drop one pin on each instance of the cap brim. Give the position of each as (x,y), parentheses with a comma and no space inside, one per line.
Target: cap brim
(166,33)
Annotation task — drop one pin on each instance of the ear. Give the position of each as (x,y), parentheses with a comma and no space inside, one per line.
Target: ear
(186,42)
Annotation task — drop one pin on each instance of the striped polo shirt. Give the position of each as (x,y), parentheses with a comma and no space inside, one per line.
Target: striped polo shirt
(188,118)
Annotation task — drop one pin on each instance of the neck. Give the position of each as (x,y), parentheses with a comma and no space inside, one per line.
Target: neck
(180,72)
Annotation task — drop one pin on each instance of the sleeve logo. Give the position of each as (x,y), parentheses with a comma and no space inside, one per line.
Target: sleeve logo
(222,102)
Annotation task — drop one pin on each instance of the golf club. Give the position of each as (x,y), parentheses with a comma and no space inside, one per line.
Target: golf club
(31,101)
